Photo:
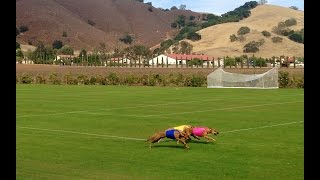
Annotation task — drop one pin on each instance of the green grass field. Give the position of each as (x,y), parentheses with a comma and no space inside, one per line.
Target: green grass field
(99,132)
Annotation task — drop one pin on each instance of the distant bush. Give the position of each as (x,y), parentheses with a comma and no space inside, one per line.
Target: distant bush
(92,23)
(127,39)
(233,38)
(174,25)
(64,34)
(26,79)
(251,47)
(276,39)
(17,45)
(297,37)
(191,18)
(193,36)
(23,28)
(283,79)
(290,22)
(243,30)
(266,33)
(150,9)
(57,44)
(294,7)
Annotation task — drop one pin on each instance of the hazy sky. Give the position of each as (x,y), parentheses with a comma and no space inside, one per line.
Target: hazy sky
(219,6)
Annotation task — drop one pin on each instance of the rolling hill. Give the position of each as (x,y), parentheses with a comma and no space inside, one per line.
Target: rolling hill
(48,19)
(215,40)
(112,19)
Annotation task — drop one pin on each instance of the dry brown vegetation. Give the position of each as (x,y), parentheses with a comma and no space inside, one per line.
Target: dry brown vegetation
(48,69)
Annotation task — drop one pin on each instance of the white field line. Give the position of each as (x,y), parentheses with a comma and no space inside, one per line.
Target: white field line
(191,112)
(129,107)
(82,133)
(140,139)
(261,127)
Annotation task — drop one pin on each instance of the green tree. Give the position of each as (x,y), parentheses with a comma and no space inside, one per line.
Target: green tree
(251,47)
(186,48)
(19,53)
(57,44)
(127,39)
(23,28)
(66,50)
(181,20)
(17,45)
(297,37)
(173,8)
(193,36)
(182,7)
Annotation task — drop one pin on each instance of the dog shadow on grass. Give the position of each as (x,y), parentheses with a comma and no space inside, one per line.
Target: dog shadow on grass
(199,142)
(168,146)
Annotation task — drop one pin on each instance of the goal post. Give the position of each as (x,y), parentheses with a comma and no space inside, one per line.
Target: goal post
(222,79)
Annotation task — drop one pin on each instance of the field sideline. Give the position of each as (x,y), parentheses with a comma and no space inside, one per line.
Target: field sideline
(98,132)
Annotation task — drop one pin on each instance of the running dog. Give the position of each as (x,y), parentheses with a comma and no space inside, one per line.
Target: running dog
(183,128)
(202,131)
(180,136)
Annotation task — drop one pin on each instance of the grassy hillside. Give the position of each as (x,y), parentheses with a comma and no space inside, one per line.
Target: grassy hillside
(215,40)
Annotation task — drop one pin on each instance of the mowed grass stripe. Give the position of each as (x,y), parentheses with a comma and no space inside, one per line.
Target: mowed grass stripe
(273,152)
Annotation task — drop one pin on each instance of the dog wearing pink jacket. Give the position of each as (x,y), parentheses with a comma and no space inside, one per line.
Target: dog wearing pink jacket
(202,131)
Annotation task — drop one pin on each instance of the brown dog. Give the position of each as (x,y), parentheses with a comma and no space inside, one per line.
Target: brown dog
(203,131)
(180,136)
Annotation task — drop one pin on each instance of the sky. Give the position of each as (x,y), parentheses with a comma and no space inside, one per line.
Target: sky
(218,7)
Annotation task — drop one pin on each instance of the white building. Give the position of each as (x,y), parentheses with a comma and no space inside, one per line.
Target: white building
(162,59)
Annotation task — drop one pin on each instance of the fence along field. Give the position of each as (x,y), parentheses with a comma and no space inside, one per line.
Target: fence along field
(72,132)
(194,77)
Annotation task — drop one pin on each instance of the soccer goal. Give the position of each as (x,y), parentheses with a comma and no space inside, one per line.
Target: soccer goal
(222,79)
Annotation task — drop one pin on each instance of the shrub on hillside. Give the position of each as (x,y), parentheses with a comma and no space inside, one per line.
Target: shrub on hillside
(251,47)
(23,28)
(193,36)
(276,39)
(297,37)
(127,39)
(233,38)
(266,33)
(92,23)
(290,22)
(57,44)
(243,30)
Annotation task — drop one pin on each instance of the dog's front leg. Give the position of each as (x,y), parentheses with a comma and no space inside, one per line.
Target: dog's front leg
(184,143)
(209,138)
(195,136)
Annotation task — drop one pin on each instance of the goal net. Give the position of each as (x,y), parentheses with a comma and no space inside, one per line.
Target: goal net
(222,79)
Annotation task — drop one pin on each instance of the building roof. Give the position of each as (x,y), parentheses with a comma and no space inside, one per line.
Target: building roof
(190,56)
